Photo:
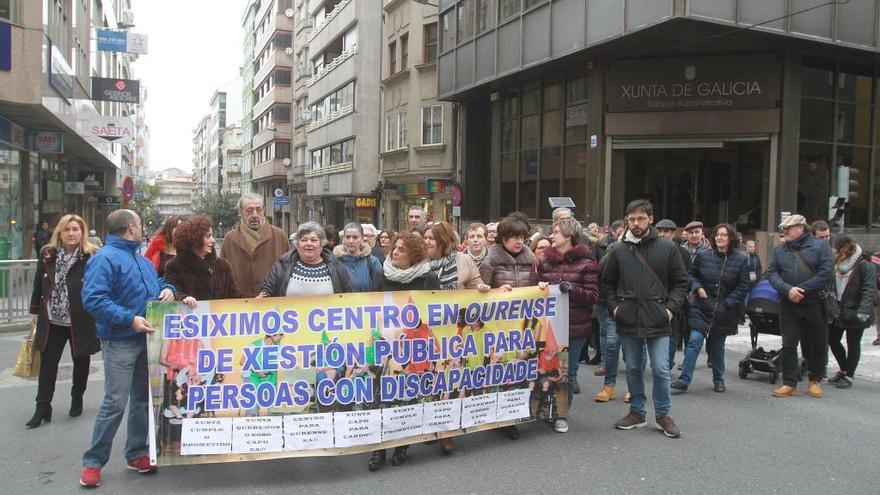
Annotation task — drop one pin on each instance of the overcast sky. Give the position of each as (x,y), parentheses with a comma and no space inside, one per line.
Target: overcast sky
(195,48)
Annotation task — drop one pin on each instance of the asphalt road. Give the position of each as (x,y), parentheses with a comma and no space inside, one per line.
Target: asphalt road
(743,441)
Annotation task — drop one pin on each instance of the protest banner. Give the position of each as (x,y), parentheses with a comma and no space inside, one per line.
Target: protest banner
(251,379)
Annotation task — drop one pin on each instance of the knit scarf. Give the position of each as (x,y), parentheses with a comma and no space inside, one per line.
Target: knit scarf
(60,302)
(847,265)
(404,276)
(447,271)
(478,260)
(253,237)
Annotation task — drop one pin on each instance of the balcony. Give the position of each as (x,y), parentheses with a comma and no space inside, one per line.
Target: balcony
(304,23)
(302,72)
(278,94)
(343,15)
(332,169)
(280,131)
(270,169)
(299,122)
(343,67)
(278,59)
(282,23)
(342,112)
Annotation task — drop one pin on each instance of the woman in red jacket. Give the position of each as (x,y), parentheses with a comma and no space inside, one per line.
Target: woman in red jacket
(161,249)
(571,263)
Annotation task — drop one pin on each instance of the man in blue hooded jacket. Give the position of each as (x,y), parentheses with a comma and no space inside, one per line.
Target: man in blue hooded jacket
(118,283)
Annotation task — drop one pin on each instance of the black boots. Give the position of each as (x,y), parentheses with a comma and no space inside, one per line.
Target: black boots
(377,460)
(76,406)
(43,413)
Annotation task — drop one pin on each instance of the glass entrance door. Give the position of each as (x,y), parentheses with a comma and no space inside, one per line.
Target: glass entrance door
(713,185)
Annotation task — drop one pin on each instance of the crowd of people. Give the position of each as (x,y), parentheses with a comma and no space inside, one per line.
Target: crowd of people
(634,289)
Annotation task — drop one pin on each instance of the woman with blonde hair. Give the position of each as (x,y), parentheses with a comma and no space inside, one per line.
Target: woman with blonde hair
(57,309)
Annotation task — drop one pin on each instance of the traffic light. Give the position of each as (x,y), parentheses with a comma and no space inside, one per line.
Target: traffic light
(835,209)
(847,183)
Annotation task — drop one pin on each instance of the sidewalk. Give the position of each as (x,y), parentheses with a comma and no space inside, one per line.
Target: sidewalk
(869,364)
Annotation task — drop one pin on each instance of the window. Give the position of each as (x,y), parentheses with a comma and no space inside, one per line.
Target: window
(531,3)
(432,125)
(837,113)
(447,40)
(401,129)
(392,58)
(404,50)
(8,10)
(282,149)
(391,136)
(282,77)
(508,8)
(465,22)
(333,154)
(430,52)
(485,15)
(282,113)
(339,100)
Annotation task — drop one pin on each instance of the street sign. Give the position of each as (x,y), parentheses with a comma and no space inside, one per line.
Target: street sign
(74,188)
(279,193)
(281,201)
(103,129)
(121,41)
(456,197)
(121,90)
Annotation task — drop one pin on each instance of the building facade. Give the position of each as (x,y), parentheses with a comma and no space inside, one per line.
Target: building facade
(416,162)
(247,95)
(231,157)
(296,180)
(270,104)
(717,110)
(176,192)
(344,108)
(202,155)
(216,132)
(47,167)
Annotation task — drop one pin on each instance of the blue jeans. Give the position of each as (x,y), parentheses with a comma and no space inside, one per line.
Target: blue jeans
(609,342)
(715,349)
(126,380)
(658,351)
(575,346)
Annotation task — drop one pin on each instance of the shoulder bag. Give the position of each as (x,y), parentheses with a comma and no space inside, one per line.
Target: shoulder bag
(827,297)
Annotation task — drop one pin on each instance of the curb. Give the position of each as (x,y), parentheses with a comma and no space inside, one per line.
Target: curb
(19,326)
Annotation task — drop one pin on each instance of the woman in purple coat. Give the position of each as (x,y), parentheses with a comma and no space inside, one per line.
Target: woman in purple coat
(571,263)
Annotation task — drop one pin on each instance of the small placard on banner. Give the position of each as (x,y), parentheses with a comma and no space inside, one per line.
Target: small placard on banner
(513,404)
(308,431)
(401,422)
(257,434)
(442,415)
(478,409)
(357,427)
(201,436)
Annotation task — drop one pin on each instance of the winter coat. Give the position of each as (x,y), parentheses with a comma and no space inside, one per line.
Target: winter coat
(362,268)
(785,272)
(631,292)
(204,279)
(680,319)
(83,340)
(754,265)
(154,250)
(379,252)
(468,271)
(500,268)
(428,281)
(858,297)
(725,278)
(118,284)
(279,276)
(249,269)
(579,267)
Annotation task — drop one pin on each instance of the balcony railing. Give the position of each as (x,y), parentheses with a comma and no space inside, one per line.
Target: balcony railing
(345,55)
(332,15)
(332,169)
(342,112)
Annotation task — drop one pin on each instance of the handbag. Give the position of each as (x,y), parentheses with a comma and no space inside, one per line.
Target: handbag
(27,362)
(827,297)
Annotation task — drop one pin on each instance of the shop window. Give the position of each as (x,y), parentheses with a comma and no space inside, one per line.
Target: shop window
(510,107)
(531,100)
(509,135)
(817,120)
(528,183)
(859,160)
(551,170)
(531,132)
(814,179)
(552,128)
(855,83)
(853,124)
(508,182)
(818,81)
(575,173)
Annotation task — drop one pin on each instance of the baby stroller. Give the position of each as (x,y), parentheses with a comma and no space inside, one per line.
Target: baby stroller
(762,308)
